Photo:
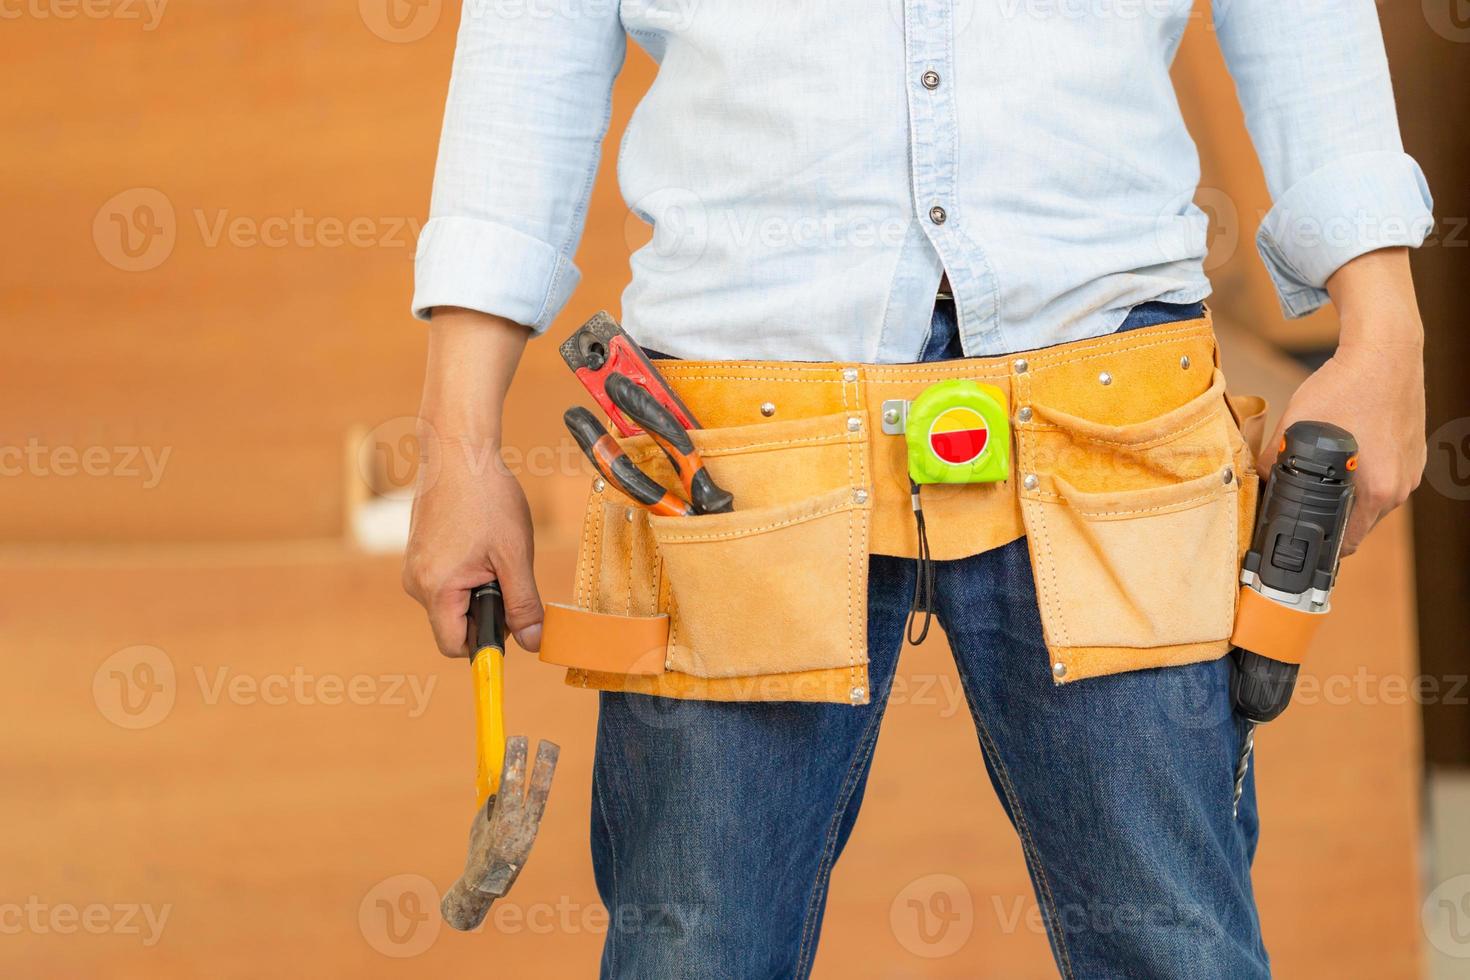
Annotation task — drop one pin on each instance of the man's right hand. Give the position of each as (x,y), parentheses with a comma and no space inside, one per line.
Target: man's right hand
(471,523)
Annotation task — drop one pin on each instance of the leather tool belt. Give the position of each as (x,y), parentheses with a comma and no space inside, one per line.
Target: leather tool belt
(1132,480)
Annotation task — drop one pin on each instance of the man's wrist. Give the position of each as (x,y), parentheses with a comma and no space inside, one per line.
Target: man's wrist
(1374,297)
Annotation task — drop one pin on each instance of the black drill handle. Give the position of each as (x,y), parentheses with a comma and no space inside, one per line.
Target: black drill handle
(1302,516)
(487,619)
(666,430)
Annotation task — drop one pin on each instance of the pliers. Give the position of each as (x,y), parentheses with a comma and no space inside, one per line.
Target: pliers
(704,495)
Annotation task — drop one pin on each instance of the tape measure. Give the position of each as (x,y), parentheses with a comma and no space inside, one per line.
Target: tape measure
(957,431)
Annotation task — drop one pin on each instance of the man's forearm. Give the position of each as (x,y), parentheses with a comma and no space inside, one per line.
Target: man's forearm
(1374,297)
(472,359)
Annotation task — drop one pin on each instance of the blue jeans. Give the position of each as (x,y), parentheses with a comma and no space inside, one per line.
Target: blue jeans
(715,826)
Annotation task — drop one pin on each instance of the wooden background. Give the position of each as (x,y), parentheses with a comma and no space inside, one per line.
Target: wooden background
(308,836)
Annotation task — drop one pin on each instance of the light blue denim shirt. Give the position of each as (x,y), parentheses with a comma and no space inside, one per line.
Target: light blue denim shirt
(810,169)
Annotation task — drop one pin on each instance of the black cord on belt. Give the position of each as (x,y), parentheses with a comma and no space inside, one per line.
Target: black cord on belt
(924,580)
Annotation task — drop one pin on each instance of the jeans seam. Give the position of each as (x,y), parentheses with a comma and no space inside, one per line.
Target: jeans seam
(1028,842)
(829,858)
(612,946)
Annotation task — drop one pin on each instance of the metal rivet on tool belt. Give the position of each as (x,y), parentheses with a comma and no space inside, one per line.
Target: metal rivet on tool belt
(630,515)
(849,374)
(1059,670)
(768,409)
(1020,365)
(1184,362)
(599,485)
(860,496)
(1024,415)
(1105,378)
(854,423)
(1228,475)
(1030,483)
(857,694)
(890,417)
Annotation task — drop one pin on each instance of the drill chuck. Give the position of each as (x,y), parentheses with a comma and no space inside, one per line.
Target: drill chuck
(1295,549)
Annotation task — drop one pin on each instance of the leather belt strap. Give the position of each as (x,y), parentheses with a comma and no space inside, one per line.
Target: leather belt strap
(1273,630)
(605,641)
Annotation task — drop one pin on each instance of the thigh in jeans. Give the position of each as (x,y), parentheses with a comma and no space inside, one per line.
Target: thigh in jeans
(715,825)
(1120,789)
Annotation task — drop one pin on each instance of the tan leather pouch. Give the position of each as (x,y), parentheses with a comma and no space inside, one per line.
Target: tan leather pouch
(1137,513)
(777,587)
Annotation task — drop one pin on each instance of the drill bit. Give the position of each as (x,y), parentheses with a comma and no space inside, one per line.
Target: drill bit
(1243,764)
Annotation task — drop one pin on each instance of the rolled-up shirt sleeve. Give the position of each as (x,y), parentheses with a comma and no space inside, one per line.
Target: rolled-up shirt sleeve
(528,106)
(1313,80)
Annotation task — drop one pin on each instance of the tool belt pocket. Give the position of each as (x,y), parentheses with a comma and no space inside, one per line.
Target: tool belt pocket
(1134,525)
(775,587)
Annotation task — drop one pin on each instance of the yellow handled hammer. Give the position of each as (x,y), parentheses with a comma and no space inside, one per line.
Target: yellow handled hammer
(508,811)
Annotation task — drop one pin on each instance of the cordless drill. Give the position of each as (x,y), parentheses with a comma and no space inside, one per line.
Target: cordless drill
(1293,560)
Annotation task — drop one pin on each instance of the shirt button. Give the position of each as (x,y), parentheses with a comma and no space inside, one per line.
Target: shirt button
(937,215)
(930,79)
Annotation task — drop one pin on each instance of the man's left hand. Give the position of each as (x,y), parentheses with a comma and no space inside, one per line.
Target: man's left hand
(1373,386)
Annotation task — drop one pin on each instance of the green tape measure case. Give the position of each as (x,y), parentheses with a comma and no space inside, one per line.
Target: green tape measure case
(957,432)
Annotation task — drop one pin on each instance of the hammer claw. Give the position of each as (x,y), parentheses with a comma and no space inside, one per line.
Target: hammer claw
(513,774)
(502,834)
(546,755)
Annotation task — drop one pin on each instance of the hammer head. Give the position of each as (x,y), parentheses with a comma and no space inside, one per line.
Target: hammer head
(501,835)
